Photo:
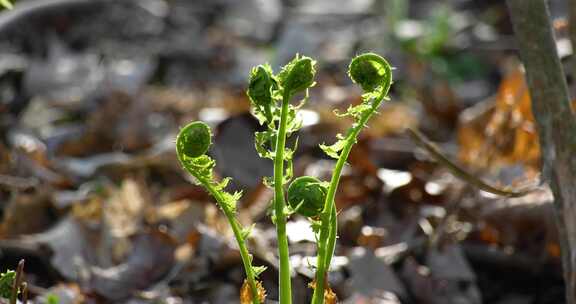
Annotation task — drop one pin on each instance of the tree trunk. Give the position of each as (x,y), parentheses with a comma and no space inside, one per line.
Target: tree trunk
(554,121)
(572,33)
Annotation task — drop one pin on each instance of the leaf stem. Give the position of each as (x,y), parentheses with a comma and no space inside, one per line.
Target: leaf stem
(331,238)
(244,254)
(279,205)
(327,239)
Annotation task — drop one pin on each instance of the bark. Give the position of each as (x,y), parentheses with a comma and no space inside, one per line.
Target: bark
(572,33)
(554,121)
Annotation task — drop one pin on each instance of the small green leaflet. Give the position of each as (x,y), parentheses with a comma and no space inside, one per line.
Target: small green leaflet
(202,169)
(263,140)
(334,149)
(222,184)
(6,281)
(258,270)
(7,4)
(355,111)
(230,199)
(246,231)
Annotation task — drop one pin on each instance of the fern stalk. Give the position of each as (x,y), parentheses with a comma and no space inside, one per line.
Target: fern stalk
(327,239)
(237,230)
(373,73)
(192,144)
(279,206)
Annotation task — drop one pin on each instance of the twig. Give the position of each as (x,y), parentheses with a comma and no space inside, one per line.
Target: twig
(17,282)
(24,292)
(20,183)
(435,152)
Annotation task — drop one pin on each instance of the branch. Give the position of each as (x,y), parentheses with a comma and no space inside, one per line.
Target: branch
(554,121)
(572,33)
(456,170)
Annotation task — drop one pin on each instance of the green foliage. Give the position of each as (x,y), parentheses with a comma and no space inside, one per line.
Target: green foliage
(192,143)
(6,283)
(371,72)
(194,139)
(6,4)
(438,31)
(297,75)
(431,44)
(334,149)
(258,270)
(306,195)
(261,88)
(52,299)
(374,75)
(271,103)
(267,92)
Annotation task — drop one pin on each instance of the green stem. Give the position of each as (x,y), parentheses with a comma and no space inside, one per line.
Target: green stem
(279,206)
(331,238)
(327,239)
(244,254)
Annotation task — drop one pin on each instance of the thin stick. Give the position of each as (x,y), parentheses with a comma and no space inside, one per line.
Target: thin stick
(17,282)
(435,152)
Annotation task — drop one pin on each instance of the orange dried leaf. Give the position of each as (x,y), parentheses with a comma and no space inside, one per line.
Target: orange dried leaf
(329,294)
(246,293)
(490,235)
(504,133)
(553,249)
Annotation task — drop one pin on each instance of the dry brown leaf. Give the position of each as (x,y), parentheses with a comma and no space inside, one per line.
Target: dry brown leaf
(329,295)
(150,260)
(67,293)
(553,249)
(125,209)
(167,212)
(90,211)
(25,213)
(360,158)
(392,118)
(246,293)
(489,234)
(503,133)
(5,159)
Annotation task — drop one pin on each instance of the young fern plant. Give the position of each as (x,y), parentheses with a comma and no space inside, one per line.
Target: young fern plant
(192,144)
(374,75)
(271,97)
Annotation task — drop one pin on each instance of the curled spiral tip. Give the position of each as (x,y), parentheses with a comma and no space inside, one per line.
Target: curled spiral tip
(371,72)
(298,74)
(194,139)
(306,195)
(261,84)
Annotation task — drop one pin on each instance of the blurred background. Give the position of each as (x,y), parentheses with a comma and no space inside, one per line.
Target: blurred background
(92,94)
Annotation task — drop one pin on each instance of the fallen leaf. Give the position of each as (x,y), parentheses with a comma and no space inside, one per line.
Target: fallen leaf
(329,295)
(124,210)
(371,275)
(151,258)
(246,293)
(502,132)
